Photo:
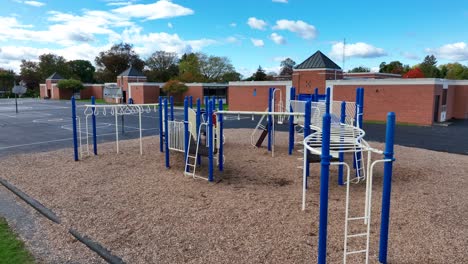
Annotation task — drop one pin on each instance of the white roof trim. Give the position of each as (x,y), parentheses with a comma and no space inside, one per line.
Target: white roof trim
(376,73)
(318,69)
(260,83)
(146,83)
(416,81)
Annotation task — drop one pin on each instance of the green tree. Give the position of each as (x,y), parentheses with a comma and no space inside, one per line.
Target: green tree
(174,87)
(213,68)
(360,69)
(259,75)
(70,84)
(287,66)
(162,66)
(454,71)
(29,73)
(116,60)
(395,67)
(189,68)
(82,70)
(51,63)
(429,68)
(231,77)
(7,80)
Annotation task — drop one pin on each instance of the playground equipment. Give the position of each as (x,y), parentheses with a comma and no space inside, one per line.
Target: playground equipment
(330,141)
(81,145)
(186,135)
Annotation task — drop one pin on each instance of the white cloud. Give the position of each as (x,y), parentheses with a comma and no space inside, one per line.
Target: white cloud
(157,10)
(169,25)
(278,39)
(280,1)
(232,39)
(257,42)
(299,27)
(279,59)
(233,24)
(410,56)
(375,69)
(359,49)
(256,23)
(119,2)
(455,51)
(34,3)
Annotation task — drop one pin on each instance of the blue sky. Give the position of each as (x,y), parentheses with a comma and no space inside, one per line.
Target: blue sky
(250,33)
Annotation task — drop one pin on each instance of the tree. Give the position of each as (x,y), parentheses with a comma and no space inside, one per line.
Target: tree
(51,63)
(360,69)
(259,75)
(70,84)
(29,72)
(454,71)
(429,68)
(231,77)
(82,70)
(212,68)
(395,67)
(414,73)
(116,60)
(189,68)
(287,66)
(7,80)
(162,66)
(174,87)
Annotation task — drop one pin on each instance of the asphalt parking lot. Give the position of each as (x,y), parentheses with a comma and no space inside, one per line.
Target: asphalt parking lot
(44,125)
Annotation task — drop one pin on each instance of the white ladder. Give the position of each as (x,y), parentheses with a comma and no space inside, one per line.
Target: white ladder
(261,127)
(365,218)
(191,161)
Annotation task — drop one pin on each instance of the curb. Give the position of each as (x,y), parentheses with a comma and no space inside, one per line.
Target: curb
(96,247)
(32,202)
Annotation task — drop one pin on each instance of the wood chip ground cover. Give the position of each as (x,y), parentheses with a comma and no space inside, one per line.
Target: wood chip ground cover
(145,213)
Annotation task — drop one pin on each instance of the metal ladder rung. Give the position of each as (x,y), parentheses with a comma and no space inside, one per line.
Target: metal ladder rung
(193,157)
(357,235)
(357,218)
(356,252)
(191,165)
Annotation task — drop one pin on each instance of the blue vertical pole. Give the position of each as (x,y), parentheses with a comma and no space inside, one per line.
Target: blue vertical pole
(186,131)
(307,132)
(292,95)
(221,127)
(356,118)
(324,178)
(316,95)
(327,100)
(207,99)
(161,129)
(210,139)
(270,121)
(191,101)
(166,136)
(172,108)
(341,154)
(387,187)
(361,107)
(75,133)
(93,102)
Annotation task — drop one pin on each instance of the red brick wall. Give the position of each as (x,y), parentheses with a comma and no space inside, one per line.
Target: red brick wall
(411,103)
(95,90)
(370,75)
(194,91)
(306,81)
(460,101)
(450,101)
(241,98)
(144,93)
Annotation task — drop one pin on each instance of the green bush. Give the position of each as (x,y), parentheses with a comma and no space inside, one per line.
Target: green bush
(70,84)
(174,87)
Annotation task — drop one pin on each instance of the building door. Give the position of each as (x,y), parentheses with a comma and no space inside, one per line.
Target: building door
(124,97)
(48,93)
(436,108)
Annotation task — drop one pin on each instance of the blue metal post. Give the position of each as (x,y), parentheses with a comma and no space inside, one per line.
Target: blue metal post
(270,121)
(316,95)
(191,101)
(207,99)
(356,119)
(93,102)
(130,100)
(198,121)
(361,107)
(324,178)
(221,127)
(161,129)
(186,131)
(387,187)
(292,95)
(210,140)
(327,100)
(166,136)
(341,154)
(75,133)
(307,133)
(172,108)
